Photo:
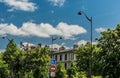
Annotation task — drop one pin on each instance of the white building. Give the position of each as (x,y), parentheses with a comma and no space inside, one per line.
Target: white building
(27,46)
(64,56)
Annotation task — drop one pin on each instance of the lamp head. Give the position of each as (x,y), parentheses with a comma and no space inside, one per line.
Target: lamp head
(61,38)
(3,37)
(79,13)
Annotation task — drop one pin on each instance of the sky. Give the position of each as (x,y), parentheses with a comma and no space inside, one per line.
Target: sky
(37,21)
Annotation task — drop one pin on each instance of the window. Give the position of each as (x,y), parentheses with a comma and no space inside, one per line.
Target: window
(65,65)
(56,57)
(61,57)
(72,56)
(65,56)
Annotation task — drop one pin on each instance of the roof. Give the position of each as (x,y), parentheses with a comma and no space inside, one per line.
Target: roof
(62,51)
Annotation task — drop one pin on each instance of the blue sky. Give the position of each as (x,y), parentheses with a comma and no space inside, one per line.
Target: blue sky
(36,21)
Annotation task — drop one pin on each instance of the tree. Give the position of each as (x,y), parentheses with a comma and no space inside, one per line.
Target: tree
(72,71)
(25,64)
(4,71)
(42,61)
(95,58)
(83,57)
(11,57)
(109,55)
(61,72)
(87,60)
(38,61)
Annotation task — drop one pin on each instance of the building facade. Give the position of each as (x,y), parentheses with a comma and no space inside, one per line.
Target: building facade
(64,56)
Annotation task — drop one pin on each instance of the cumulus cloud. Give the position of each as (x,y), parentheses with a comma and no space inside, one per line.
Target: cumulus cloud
(44,30)
(83,42)
(10,29)
(24,5)
(68,31)
(2,50)
(100,29)
(2,19)
(27,44)
(52,11)
(57,46)
(95,42)
(57,2)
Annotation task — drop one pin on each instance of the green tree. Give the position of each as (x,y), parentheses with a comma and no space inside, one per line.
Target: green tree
(86,60)
(42,62)
(61,72)
(37,61)
(22,67)
(81,74)
(25,63)
(4,71)
(83,57)
(95,65)
(109,55)
(72,71)
(11,57)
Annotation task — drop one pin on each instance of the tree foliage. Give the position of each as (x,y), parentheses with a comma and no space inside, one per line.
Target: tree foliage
(41,62)
(61,72)
(4,71)
(11,57)
(25,63)
(110,52)
(83,57)
(87,60)
(72,71)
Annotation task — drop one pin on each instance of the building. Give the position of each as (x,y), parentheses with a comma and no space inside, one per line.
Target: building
(61,54)
(27,46)
(64,56)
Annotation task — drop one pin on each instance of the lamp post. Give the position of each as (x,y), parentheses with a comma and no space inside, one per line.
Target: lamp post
(54,39)
(90,20)
(6,38)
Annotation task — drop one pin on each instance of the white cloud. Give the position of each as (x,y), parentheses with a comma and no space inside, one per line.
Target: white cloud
(94,43)
(100,29)
(83,42)
(68,31)
(42,30)
(57,2)
(2,19)
(57,46)
(2,50)
(29,44)
(52,11)
(24,5)
(10,29)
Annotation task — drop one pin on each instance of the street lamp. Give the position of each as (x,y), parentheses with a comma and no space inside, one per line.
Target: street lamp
(6,38)
(90,20)
(54,39)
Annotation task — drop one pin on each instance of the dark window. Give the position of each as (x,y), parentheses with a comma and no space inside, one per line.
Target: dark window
(65,56)
(51,56)
(61,57)
(56,57)
(65,65)
(72,57)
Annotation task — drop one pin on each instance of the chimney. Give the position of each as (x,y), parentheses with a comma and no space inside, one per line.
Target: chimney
(39,44)
(61,48)
(75,46)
